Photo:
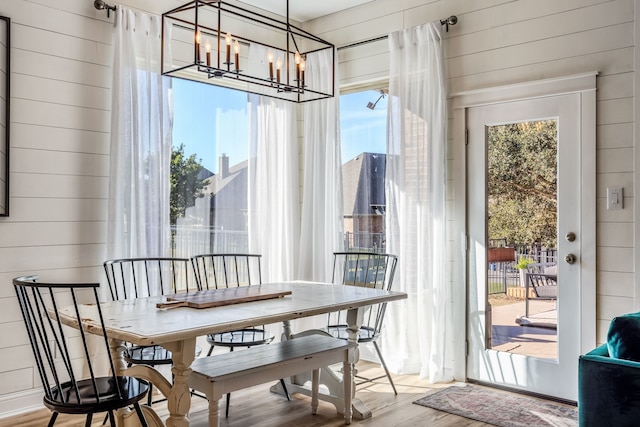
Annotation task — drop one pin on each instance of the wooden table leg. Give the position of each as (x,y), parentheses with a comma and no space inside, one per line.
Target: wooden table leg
(286,330)
(354,321)
(179,399)
(116,348)
(125,417)
(348,407)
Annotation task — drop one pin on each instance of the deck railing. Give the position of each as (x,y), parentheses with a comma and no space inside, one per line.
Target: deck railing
(502,275)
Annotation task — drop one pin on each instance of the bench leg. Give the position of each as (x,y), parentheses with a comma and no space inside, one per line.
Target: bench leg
(347,381)
(214,413)
(315,386)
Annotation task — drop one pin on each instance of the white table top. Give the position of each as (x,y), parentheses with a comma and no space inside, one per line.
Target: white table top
(140,322)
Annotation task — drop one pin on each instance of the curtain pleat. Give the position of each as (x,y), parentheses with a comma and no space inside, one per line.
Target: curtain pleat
(418,334)
(322,185)
(138,217)
(273,201)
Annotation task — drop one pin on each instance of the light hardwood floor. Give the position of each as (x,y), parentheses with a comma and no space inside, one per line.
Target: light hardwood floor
(258,407)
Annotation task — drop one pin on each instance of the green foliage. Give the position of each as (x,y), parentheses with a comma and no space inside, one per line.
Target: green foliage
(523,262)
(185,185)
(522,184)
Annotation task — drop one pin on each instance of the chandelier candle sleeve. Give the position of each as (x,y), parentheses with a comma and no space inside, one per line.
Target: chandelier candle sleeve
(198,45)
(278,66)
(207,49)
(228,41)
(236,47)
(270,65)
(302,68)
(297,61)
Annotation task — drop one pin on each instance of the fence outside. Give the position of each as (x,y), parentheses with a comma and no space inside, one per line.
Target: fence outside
(186,241)
(502,275)
(355,241)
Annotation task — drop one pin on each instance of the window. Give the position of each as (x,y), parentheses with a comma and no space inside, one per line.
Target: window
(363,133)
(208,169)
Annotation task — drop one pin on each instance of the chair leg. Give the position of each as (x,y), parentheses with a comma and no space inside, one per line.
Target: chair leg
(52,420)
(384,365)
(526,297)
(226,411)
(315,377)
(284,387)
(150,394)
(112,420)
(88,422)
(210,350)
(143,420)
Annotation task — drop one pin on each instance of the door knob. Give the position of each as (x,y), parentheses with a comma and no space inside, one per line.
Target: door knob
(570,259)
(570,236)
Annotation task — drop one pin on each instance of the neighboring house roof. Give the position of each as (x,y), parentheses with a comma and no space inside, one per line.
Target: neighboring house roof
(204,173)
(363,183)
(229,191)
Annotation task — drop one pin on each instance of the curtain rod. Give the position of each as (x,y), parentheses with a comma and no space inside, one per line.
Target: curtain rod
(452,20)
(101,5)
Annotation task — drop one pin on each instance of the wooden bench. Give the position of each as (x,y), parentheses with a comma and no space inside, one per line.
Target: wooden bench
(220,374)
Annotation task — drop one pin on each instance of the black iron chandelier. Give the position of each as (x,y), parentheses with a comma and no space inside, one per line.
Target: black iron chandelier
(223,44)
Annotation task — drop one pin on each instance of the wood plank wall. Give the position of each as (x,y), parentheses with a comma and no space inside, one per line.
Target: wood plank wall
(60,97)
(60,107)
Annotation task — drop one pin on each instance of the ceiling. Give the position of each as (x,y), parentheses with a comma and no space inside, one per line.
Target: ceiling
(304,10)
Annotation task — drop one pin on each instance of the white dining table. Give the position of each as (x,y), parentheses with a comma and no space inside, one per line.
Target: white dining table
(140,322)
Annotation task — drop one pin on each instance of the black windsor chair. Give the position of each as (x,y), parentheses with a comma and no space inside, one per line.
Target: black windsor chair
(370,270)
(131,278)
(218,271)
(72,380)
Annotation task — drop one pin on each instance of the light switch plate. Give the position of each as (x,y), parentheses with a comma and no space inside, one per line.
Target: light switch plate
(614,198)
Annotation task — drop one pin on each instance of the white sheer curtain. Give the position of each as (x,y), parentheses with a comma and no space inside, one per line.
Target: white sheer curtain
(274,225)
(138,219)
(193,233)
(418,329)
(322,185)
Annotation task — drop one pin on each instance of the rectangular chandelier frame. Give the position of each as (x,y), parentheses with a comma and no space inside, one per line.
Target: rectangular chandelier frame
(207,41)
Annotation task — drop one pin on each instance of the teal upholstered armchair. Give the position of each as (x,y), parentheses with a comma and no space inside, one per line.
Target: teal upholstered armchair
(609,387)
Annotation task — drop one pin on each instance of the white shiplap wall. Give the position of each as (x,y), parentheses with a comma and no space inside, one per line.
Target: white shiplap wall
(60,121)
(60,125)
(60,96)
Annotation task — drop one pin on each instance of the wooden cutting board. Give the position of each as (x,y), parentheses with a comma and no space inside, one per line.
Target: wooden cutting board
(220,297)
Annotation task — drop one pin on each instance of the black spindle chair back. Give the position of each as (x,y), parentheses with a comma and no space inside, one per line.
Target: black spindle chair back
(218,271)
(131,278)
(76,379)
(370,270)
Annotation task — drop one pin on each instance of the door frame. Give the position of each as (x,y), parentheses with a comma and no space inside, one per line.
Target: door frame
(583,84)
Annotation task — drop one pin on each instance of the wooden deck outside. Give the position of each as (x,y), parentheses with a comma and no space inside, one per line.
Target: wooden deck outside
(534,341)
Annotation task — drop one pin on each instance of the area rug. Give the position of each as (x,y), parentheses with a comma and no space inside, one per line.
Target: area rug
(500,408)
